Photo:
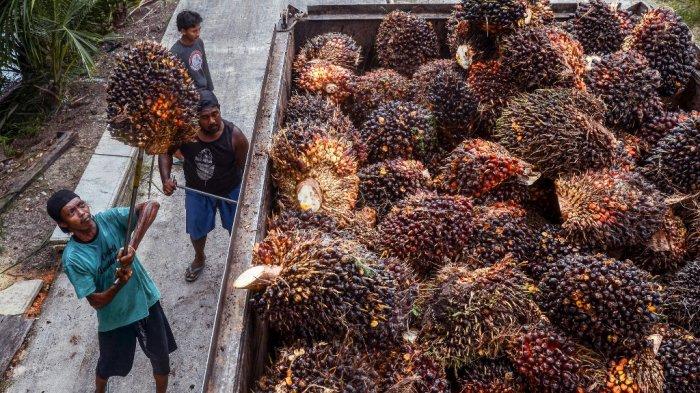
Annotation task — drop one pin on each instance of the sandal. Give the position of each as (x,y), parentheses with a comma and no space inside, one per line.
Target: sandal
(192,274)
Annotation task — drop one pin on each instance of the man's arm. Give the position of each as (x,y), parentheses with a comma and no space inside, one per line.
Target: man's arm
(165,166)
(146,213)
(240,146)
(100,299)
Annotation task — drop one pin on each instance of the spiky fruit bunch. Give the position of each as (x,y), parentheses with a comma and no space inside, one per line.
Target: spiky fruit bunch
(314,108)
(387,182)
(665,40)
(682,297)
(399,129)
(405,41)
(407,368)
(325,78)
(477,167)
(327,287)
(466,41)
(336,48)
(666,248)
(424,77)
(607,302)
(673,163)
(491,86)
(629,152)
(552,245)
(552,362)
(453,105)
(426,229)
(289,220)
(500,230)
(376,87)
(558,130)
(487,376)
(315,171)
(624,81)
(600,27)
(661,124)
(679,356)
(151,99)
(540,13)
(543,57)
(635,374)
(322,367)
(692,221)
(495,15)
(471,314)
(609,208)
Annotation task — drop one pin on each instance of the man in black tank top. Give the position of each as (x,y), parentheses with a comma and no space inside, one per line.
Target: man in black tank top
(213,163)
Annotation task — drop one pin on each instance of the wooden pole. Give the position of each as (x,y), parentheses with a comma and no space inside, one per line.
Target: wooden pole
(134,192)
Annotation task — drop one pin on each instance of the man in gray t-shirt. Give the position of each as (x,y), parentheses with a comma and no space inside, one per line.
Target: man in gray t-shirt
(190,49)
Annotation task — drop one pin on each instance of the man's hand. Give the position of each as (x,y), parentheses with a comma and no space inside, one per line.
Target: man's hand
(126,258)
(123,275)
(169,186)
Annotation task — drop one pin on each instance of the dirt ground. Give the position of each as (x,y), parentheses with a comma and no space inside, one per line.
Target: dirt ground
(24,226)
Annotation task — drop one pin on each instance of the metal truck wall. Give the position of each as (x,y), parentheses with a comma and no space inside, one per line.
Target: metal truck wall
(240,346)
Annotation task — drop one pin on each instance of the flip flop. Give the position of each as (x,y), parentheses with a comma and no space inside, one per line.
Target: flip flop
(192,274)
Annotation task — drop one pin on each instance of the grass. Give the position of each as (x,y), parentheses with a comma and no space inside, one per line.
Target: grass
(689,10)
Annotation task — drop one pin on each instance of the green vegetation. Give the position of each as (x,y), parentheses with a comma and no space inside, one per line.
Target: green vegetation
(46,43)
(689,10)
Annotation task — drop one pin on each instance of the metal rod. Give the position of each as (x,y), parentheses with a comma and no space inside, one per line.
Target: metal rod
(134,193)
(150,175)
(227,200)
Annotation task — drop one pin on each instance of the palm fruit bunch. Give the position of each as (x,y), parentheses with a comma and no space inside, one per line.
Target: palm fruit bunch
(551,245)
(692,221)
(679,355)
(630,151)
(638,373)
(321,367)
(151,99)
(666,42)
(324,287)
(405,41)
(407,368)
(682,297)
(559,131)
(490,83)
(427,230)
(487,376)
(478,168)
(606,302)
(673,164)
(665,250)
(628,87)
(315,168)
(540,13)
(424,77)
(387,182)
(500,230)
(553,362)
(468,43)
(446,93)
(495,15)
(376,87)
(660,125)
(304,110)
(325,78)
(336,48)
(600,27)
(541,57)
(399,129)
(471,314)
(609,208)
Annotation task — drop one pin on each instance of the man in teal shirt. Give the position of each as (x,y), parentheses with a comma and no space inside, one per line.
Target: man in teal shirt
(115,284)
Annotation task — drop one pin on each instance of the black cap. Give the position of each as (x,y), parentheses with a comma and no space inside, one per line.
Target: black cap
(57,201)
(207,99)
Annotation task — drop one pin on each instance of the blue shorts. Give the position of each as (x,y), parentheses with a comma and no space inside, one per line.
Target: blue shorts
(200,213)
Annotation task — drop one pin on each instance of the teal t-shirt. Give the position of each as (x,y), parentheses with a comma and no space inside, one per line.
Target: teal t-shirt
(91,268)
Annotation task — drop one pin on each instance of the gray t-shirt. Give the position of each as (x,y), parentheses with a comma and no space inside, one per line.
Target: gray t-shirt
(195,60)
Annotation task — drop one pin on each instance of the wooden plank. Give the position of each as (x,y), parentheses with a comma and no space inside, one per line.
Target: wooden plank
(63,142)
(14,329)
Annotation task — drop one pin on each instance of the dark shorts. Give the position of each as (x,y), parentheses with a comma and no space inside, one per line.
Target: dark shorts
(117,347)
(200,213)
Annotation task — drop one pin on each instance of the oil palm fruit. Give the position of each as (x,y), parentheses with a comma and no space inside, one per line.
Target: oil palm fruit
(496,15)
(151,99)
(387,182)
(600,27)
(682,297)
(405,41)
(376,87)
(325,78)
(665,250)
(679,356)
(336,48)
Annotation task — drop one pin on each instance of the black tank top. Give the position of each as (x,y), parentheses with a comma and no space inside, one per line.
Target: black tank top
(211,166)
